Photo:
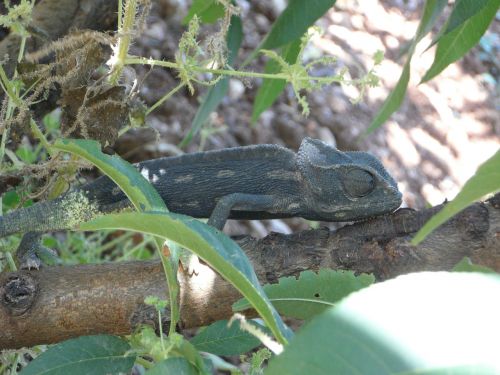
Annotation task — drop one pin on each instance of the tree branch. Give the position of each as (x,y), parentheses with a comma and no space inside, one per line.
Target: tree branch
(58,303)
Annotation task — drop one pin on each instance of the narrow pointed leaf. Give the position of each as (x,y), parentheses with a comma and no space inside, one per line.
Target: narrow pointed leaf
(213,246)
(432,10)
(462,11)
(216,93)
(294,21)
(100,354)
(466,265)
(208,11)
(485,181)
(393,101)
(271,89)
(134,185)
(458,42)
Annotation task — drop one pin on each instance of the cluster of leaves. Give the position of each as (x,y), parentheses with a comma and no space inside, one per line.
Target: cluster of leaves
(346,333)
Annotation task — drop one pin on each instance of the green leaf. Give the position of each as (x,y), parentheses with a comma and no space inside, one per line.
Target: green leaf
(485,181)
(174,366)
(140,192)
(311,293)
(462,11)
(213,246)
(294,21)
(100,354)
(422,323)
(432,10)
(466,265)
(208,11)
(393,101)
(216,93)
(456,43)
(271,88)
(220,339)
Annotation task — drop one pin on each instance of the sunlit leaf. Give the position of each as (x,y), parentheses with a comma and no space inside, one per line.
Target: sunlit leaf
(423,323)
(485,181)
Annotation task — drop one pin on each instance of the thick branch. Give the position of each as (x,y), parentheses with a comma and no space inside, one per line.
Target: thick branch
(57,303)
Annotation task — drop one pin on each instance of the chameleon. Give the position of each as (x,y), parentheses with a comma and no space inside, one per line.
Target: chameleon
(319,182)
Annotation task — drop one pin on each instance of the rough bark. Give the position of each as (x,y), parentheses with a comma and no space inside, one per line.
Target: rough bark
(58,303)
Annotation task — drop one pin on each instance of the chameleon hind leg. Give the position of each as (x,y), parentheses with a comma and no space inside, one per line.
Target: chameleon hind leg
(31,254)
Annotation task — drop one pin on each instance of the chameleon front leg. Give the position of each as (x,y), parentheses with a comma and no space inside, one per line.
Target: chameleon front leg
(239,201)
(31,252)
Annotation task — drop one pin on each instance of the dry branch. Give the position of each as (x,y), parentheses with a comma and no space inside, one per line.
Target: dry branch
(57,303)
(53,19)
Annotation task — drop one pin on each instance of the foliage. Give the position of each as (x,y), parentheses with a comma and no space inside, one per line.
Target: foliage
(99,354)
(311,293)
(417,323)
(466,24)
(223,339)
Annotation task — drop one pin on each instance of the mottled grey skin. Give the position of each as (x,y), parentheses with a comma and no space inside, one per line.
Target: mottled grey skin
(255,182)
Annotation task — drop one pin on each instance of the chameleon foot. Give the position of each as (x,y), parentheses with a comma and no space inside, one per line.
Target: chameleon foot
(31,254)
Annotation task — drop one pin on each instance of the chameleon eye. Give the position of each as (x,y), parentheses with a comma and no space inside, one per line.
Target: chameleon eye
(358,183)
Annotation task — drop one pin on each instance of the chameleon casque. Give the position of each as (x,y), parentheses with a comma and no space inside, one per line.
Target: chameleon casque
(318,182)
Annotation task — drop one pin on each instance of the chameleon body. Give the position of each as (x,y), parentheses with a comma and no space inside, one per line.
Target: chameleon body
(318,182)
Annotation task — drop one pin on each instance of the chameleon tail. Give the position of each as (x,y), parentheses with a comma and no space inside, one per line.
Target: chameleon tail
(64,212)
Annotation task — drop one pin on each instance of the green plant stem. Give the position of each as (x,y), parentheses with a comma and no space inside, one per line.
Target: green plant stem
(41,137)
(232,73)
(170,269)
(120,10)
(13,101)
(11,263)
(125,28)
(161,331)
(165,97)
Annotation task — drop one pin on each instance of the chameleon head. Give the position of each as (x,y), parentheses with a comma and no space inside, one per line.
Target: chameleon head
(345,186)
